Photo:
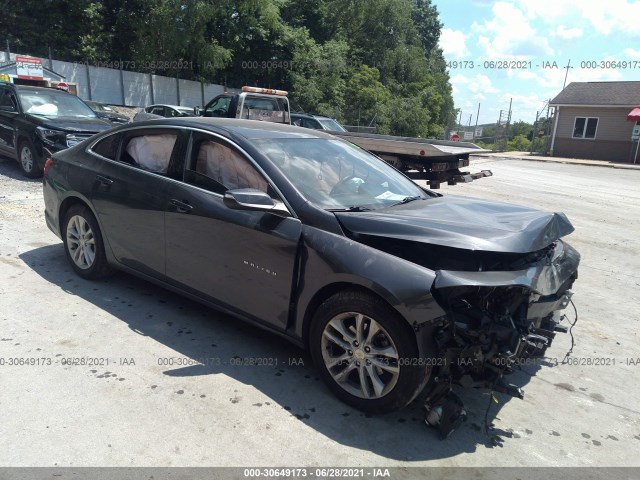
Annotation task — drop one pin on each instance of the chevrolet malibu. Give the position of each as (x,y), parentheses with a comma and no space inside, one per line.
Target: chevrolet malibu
(393,288)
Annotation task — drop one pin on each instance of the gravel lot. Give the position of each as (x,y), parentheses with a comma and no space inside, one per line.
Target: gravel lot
(149,407)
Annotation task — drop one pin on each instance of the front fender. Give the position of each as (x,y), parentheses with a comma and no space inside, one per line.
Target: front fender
(328,259)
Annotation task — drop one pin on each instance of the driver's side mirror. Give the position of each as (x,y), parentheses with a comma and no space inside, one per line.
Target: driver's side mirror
(196,110)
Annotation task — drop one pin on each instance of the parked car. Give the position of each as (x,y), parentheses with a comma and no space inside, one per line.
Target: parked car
(316,122)
(170,111)
(107,112)
(36,122)
(391,287)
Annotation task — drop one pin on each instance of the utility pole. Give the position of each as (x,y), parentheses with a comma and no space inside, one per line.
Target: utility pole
(477,116)
(8,52)
(566,73)
(534,134)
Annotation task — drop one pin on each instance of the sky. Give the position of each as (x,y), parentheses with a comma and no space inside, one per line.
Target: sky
(535,40)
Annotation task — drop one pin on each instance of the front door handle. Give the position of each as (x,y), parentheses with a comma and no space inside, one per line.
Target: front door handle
(181,206)
(104,180)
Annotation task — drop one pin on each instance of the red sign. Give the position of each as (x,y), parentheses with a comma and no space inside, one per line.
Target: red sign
(455,137)
(62,86)
(29,68)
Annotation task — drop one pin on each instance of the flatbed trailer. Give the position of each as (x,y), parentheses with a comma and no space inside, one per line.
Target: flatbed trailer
(436,161)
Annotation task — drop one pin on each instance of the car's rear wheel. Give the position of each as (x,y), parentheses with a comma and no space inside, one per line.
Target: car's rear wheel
(83,243)
(28,160)
(366,352)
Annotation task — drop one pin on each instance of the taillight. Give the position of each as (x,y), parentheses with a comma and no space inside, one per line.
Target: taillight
(48,164)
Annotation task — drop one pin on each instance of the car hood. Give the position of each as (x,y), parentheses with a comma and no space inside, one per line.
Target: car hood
(462,222)
(71,124)
(109,115)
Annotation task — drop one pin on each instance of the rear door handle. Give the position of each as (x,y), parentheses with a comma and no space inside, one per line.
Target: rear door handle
(181,206)
(104,180)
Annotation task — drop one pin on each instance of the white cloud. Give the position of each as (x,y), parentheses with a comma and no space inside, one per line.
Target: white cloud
(460,78)
(524,107)
(551,10)
(452,43)
(473,90)
(565,33)
(510,35)
(612,16)
(526,75)
(630,52)
(553,79)
(482,84)
(457,83)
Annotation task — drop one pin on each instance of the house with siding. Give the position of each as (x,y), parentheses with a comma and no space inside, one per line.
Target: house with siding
(591,121)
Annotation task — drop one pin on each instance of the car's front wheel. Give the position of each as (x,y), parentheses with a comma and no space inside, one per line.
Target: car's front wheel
(28,160)
(366,352)
(83,243)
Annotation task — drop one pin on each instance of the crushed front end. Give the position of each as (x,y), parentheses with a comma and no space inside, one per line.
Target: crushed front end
(502,276)
(504,312)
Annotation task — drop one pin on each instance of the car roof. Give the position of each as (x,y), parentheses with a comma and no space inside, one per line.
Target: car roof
(31,88)
(311,115)
(177,107)
(249,129)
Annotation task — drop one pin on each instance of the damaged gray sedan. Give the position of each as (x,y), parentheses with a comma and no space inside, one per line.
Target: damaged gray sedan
(393,288)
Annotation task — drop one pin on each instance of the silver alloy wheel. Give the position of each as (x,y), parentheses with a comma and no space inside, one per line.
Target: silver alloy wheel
(81,242)
(360,355)
(26,158)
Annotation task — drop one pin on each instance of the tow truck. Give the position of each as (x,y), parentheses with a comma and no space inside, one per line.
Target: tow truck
(251,103)
(435,161)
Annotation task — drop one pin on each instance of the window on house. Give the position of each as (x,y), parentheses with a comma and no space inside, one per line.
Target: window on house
(585,127)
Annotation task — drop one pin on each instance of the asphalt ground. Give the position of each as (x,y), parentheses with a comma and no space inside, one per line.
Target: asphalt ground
(123,373)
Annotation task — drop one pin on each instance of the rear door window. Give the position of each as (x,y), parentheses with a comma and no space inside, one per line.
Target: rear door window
(150,150)
(107,147)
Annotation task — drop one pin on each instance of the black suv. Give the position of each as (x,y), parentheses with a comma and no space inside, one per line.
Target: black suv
(36,122)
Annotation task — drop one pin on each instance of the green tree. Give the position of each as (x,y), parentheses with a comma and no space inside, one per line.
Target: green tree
(71,28)
(519,143)
(172,37)
(367,99)
(365,61)
(520,128)
(318,73)
(425,17)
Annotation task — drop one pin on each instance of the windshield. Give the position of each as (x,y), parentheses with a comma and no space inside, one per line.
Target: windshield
(331,124)
(337,175)
(53,104)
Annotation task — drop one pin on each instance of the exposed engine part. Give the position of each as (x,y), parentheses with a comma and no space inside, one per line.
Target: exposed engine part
(446,415)
(487,333)
(509,388)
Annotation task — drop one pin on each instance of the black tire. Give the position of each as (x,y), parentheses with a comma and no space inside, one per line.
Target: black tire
(83,243)
(28,159)
(391,334)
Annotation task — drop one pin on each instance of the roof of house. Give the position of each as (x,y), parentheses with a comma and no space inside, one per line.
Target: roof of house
(624,94)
